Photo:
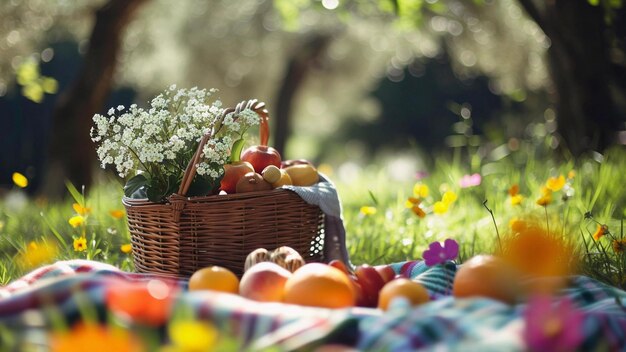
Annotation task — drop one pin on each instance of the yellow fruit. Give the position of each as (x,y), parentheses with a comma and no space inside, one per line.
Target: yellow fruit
(285,179)
(411,290)
(320,285)
(271,174)
(487,276)
(214,278)
(303,175)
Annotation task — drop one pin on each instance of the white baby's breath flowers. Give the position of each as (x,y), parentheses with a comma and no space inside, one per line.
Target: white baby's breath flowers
(159,141)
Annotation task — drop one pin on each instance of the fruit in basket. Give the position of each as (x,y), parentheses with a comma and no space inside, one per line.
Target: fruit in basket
(386,272)
(271,174)
(264,282)
(486,276)
(303,174)
(233,172)
(291,162)
(371,283)
(260,156)
(320,285)
(252,182)
(214,278)
(287,257)
(285,179)
(256,256)
(413,291)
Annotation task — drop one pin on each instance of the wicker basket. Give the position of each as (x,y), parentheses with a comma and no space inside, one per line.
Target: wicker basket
(188,233)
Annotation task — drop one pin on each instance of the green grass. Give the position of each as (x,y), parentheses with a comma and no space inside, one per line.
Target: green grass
(393,233)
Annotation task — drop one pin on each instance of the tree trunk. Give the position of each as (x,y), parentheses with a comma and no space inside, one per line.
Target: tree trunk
(582,73)
(71,154)
(297,68)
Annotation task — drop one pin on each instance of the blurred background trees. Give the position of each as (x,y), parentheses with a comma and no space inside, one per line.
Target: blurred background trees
(344,80)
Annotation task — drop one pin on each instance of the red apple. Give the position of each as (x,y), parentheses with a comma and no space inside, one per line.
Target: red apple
(371,282)
(386,272)
(233,173)
(260,156)
(264,282)
(340,265)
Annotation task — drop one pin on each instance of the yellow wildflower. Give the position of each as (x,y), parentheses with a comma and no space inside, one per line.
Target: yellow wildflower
(440,207)
(449,197)
(365,210)
(188,335)
(420,190)
(601,231)
(117,213)
(517,199)
(20,180)
(36,254)
(546,197)
(126,248)
(517,225)
(76,221)
(571,174)
(80,210)
(555,183)
(80,244)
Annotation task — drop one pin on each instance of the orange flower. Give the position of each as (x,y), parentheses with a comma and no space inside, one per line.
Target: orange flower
(514,190)
(619,246)
(536,253)
(117,213)
(417,210)
(601,231)
(80,210)
(95,338)
(413,203)
(147,303)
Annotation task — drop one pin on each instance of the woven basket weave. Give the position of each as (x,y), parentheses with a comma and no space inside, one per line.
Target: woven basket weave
(188,233)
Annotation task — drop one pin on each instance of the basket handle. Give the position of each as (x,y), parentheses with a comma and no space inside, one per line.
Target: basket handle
(264,134)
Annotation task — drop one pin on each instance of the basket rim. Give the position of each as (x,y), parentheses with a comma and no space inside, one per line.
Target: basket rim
(127,201)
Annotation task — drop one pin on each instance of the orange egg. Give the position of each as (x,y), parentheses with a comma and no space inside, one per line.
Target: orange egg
(487,276)
(320,285)
(214,278)
(413,291)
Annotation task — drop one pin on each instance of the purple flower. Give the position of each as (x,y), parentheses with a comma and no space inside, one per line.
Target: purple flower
(470,180)
(438,254)
(552,327)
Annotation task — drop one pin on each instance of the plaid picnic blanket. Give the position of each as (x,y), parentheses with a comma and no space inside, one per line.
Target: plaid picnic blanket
(444,323)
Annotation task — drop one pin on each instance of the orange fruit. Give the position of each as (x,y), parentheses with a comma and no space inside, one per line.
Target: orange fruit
(320,285)
(214,278)
(402,287)
(486,276)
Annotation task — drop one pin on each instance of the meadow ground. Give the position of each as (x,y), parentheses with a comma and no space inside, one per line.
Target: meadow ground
(386,220)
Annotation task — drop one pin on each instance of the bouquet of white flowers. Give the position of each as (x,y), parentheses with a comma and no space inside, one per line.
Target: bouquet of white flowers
(155,146)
